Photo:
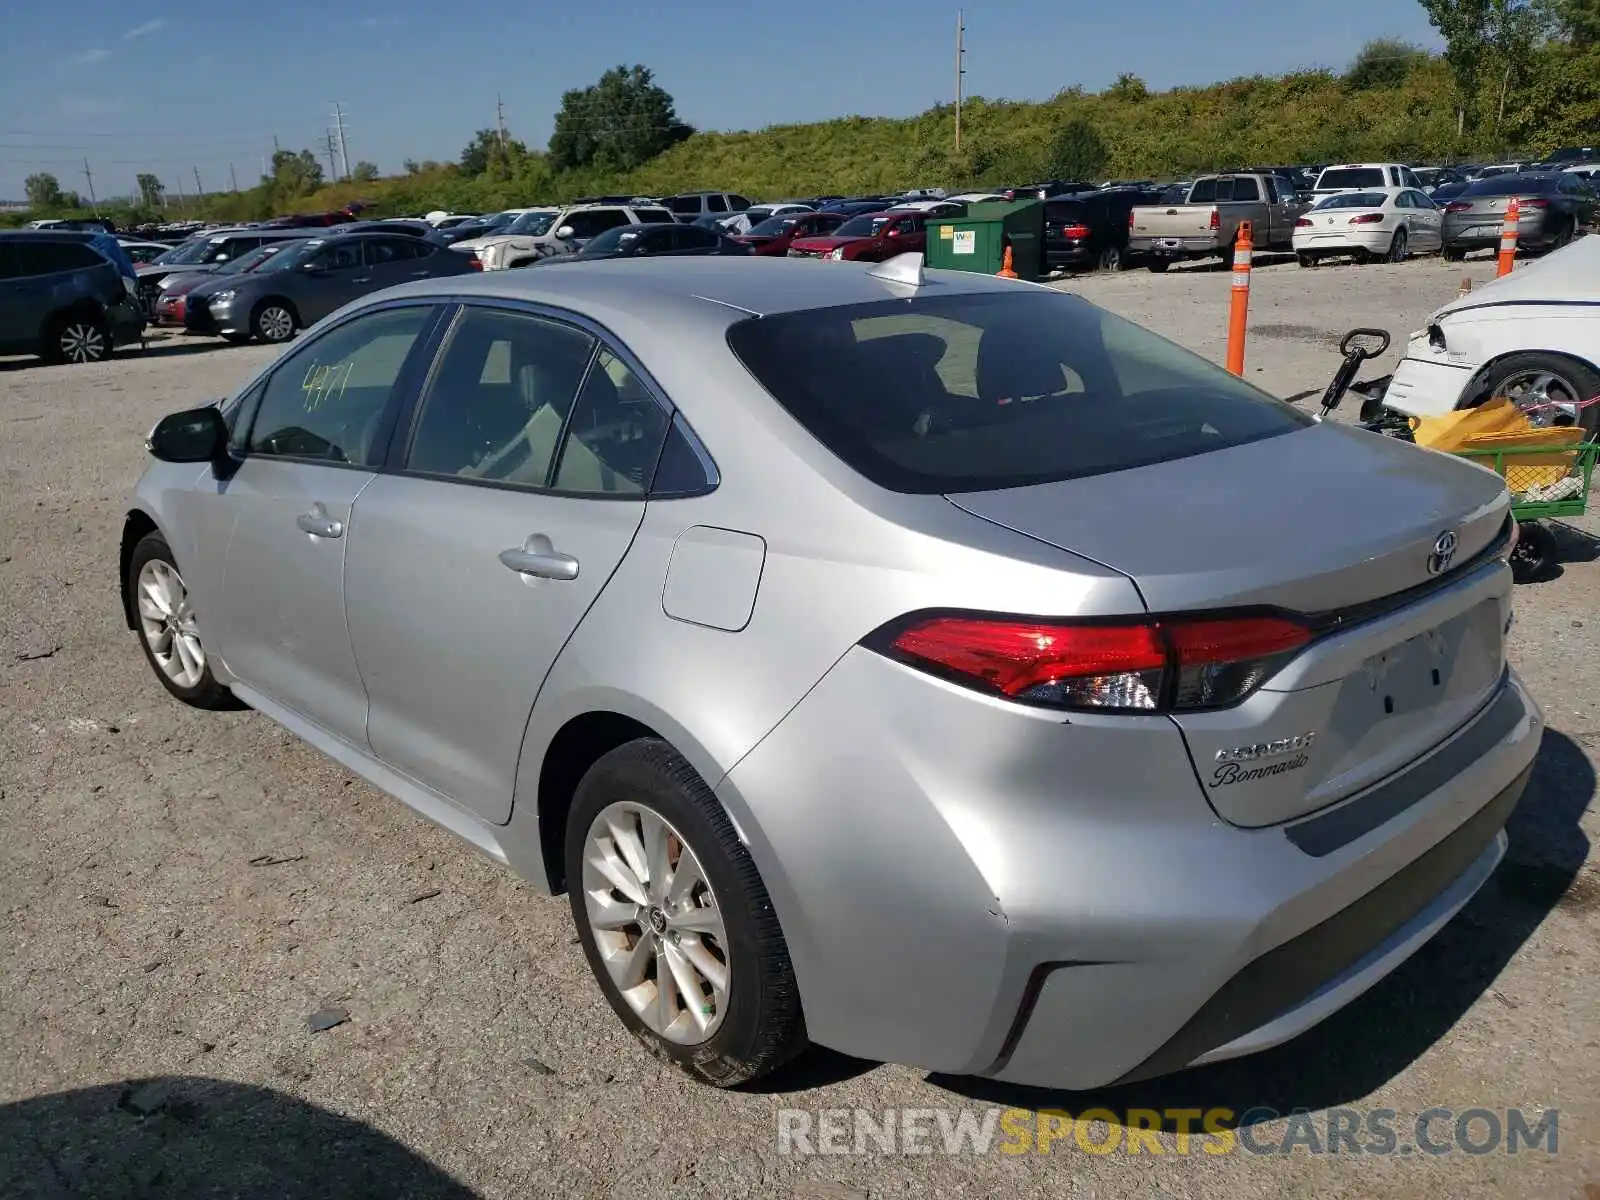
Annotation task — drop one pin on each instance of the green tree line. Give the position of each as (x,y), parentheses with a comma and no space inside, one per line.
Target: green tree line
(1517,77)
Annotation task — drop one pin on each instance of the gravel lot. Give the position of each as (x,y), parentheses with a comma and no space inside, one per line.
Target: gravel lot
(183,890)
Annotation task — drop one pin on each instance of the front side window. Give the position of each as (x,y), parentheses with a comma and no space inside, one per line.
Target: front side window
(343,255)
(976,392)
(615,435)
(500,398)
(715,203)
(326,400)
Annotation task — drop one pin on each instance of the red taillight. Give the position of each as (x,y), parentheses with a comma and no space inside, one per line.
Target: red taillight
(1302,223)
(1367,219)
(1458,206)
(1075,231)
(1149,665)
(474,263)
(1216,219)
(1130,218)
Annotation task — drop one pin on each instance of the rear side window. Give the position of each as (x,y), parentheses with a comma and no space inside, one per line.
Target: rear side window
(715,203)
(654,216)
(52,258)
(975,392)
(1352,177)
(684,206)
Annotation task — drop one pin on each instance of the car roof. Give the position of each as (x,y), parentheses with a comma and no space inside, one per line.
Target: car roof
(654,289)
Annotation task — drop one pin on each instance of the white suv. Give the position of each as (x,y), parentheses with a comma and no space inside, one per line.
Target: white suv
(1358,177)
(565,233)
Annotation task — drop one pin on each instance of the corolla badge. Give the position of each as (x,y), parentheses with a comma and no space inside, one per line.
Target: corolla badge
(1444,552)
(1275,758)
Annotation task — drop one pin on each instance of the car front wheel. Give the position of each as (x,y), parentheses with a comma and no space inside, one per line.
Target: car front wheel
(273,322)
(675,921)
(165,619)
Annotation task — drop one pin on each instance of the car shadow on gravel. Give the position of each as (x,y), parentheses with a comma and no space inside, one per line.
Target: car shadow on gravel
(1361,1048)
(160,348)
(190,1136)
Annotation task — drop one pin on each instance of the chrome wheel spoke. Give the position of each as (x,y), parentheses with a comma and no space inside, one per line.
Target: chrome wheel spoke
(688,986)
(610,866)
(684,880)
(607,912)
(714,973)
(631,968)
(666,1011)
(658,866)
(167,623)
(707,921)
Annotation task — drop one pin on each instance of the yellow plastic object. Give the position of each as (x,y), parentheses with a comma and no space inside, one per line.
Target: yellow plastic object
(1452,431)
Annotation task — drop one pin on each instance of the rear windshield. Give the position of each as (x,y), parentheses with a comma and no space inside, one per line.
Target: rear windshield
(1065,212)
(1510,185)
(1351,177)
(1356,200)
(973,392)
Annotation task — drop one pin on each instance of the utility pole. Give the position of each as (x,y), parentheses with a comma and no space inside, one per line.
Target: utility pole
(344,149)
(233,180)
(94,207)
(500,120)
(178,179)
(198,190)
(330,146)
(961,50)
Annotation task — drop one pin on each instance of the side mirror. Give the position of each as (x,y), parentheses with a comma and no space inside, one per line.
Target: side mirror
(312,268)
(193,436)
(565,232)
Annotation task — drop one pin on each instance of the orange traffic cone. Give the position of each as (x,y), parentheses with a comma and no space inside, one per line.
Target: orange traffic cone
(1466,286)
(1007,271)
(1508,239)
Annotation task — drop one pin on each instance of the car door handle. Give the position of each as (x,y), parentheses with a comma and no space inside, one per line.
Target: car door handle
(419,274)
(538,559)
(362,279)
(318,524)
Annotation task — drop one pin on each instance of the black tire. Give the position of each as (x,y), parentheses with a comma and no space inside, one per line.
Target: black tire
(1111,259)
(1534,553)
(1568,232)
(1158,265)
(763,1026)
(79,337)
(1453,254)
(1399,247)
(204,693)
(1306,260)
(267,321)
(1579,380)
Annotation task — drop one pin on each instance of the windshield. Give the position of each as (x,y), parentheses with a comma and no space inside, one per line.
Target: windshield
(534,224)
(995,390)
(865,225)
(250,260)
(1510,185)
(773,226)
(278,256)
(191,251)
(1351,177)
(1355,200)
(610,241)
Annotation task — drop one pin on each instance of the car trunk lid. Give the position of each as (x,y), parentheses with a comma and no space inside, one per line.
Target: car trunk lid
(1342,526)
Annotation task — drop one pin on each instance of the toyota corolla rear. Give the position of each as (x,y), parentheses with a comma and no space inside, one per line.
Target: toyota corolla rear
(1221,735)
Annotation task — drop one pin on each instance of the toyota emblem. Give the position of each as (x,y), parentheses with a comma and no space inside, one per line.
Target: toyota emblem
(1444,553)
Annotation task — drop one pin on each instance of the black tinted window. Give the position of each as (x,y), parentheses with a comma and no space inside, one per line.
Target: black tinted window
(1243,188)
(615,435)
(499,398)
(715,203)
(694,237)
(586,224)
(50,258)
(737,203)
(683,470)
(326,400)
(1509,185)
(684,206)
(968,393)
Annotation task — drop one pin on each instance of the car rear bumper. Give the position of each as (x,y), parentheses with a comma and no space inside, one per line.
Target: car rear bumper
(1374,241)
(973,888)
(1067,254)
(1174,247)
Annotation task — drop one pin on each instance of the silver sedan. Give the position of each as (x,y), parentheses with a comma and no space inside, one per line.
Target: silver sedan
(931,666)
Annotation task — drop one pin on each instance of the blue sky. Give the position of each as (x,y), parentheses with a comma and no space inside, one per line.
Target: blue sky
(202,87)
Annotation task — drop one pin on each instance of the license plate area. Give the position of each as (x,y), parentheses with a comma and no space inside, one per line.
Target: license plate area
(1170,243)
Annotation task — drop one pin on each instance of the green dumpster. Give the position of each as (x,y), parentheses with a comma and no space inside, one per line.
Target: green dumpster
(978,240)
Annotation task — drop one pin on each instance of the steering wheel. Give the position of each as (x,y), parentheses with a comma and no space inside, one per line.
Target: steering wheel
(1369,343)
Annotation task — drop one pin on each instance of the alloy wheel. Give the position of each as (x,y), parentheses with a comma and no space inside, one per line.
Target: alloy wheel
(167,624)
(1398,247)
(275,323)
(82,342)
(656,922)
(1544,396)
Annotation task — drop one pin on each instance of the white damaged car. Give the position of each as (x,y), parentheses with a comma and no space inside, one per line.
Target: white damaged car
(1533,335)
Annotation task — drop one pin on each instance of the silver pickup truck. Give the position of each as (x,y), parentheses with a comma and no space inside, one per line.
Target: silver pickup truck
(1203,225)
